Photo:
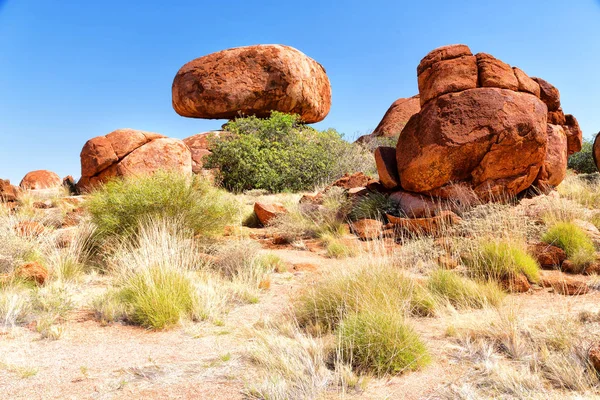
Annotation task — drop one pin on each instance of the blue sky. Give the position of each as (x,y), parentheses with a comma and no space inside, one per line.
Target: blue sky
(71,70)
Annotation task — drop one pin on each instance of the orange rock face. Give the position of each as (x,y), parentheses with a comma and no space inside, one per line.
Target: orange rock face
(484,127)
(33,271)
(266,212)
(397,116)
(427,225)
(467,136)
(367,229)
(127,152)
(8,192)
(252,80)
(199,146)
(387,168)
(41,179)
(596,151)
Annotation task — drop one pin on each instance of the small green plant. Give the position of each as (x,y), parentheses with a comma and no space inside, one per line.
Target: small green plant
(499,259)
(373,206)
(462,292)
(282,154)
(272,262)
(335,248)
(380,342)
(573,240)
(118,207)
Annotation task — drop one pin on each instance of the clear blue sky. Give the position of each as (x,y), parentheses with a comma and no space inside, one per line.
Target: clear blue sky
(71,69)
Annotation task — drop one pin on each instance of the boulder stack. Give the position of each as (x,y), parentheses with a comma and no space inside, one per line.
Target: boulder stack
(252,80)
(484,127)
(129,152)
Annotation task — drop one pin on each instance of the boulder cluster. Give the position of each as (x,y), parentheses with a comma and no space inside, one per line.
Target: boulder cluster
(484,129)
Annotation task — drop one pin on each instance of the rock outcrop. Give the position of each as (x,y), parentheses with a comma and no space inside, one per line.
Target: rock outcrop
(199,146)
(252,80)
(129,152)
(394,119)
(40,179)
(484,126)
(8,192)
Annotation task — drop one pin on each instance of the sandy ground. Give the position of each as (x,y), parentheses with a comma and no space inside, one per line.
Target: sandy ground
(204,361)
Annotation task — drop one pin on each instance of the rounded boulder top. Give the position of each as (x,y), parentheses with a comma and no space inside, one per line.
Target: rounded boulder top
(252,80)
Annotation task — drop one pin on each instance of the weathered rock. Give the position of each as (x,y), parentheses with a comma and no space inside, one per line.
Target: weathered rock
(549,94)
(415,205)
(589,229)
(570,267)
(469,136)
(40,179)
(69,183)
(8,192)
(515,283)
(387,168)
(443,53)
(554,168)
(127,152)
(557,117)
(349,181)
(163,153)
(526,84)
(397,116)
(564,284)
(495,73)
(357,192)
(266,212)
(367,229)
(32,271)
(252,80)
(548,256)
(448,76)
(428,226)
(199,146)
(29,229)
(574,134)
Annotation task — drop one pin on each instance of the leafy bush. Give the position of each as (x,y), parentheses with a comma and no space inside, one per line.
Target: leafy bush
(497,260)
(573,240)
(583,161)
(463,292)
(280,153)
(118,207)
(380,342)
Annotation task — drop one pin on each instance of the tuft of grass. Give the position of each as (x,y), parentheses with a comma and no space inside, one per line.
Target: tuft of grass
(573,240)
(374,205)
(14,306)
(272,262)
(352,290)
(289,364)
(380,342)
(498,259)
(158,297)
(336,248)
(118,207)
(462,292)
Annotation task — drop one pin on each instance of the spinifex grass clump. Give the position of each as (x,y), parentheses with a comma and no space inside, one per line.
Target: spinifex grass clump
(322,307)
(500,259)
(573,240)
(463,292)
(380,342)
(118,207)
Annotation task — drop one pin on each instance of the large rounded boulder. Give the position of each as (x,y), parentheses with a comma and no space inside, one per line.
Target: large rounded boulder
(252,80)
(483,126)
(129,152)
(40,179)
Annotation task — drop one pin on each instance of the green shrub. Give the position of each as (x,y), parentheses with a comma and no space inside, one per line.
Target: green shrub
(374,206)
(497,260)
(281,154)
(573,240)
(583,161)
(335,248)
(322,307)
(118,207)
(380,342)
(462,292)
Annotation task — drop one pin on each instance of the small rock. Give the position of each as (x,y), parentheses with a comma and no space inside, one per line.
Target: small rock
(429,226)
(548,256)
(358,191)
(367,229)
(349,181)
(32,271)
(594,356)
(29,229)
(266,212)
(564,284)
(387,168)
(516,284)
